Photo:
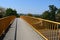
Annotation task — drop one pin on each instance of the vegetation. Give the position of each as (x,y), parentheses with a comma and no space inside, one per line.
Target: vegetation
(7,12)
(52,14)
(10,12)
(46,15)
(29,14)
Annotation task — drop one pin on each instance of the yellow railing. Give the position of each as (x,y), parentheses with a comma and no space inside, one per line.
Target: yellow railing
(49,29)
(32,22)
(4,23)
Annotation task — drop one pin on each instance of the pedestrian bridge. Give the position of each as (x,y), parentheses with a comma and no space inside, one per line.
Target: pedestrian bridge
(28,28)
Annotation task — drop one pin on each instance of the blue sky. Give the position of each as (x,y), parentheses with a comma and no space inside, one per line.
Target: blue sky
(29,6)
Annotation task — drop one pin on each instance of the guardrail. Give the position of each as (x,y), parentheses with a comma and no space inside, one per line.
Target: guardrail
(4,23)
(49,29)
(32,21)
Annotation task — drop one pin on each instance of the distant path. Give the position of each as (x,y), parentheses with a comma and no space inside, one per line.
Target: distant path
(25,32)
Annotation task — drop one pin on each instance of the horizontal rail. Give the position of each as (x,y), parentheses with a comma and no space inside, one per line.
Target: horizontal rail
(46,20)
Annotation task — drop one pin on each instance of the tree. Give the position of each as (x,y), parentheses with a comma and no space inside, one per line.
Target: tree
(29,14)
(10,12)
(37,15)
(46,15)
(58,15)
(52,10)
(50,14)
(58,11)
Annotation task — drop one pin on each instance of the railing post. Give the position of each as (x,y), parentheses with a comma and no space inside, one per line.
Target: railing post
(57,32)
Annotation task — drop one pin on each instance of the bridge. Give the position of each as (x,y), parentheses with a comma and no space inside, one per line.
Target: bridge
(28,28)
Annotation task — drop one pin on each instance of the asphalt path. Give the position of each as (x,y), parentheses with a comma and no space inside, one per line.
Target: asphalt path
(21,30)
(25,31)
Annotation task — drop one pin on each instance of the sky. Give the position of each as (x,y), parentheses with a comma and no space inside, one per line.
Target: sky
(29,6)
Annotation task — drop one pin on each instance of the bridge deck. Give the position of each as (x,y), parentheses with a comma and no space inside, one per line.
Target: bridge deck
(24,31)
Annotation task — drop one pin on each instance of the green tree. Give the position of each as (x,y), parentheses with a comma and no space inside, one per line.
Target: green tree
(29,14)
(50,14)
(52,10)
(58,15)
(10,12)
(46,15)
(37,15)
(58,11)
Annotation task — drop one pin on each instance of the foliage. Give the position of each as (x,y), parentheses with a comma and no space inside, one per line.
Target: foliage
(53,10)
(10,12)
(36,15)
(58,15)
(50,15)
(29,14)
(58,11)
(46,15)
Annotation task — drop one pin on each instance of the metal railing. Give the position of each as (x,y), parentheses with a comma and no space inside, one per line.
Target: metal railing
(4,23)
(47,28)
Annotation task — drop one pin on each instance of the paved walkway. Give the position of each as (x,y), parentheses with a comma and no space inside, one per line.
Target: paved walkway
(23,32)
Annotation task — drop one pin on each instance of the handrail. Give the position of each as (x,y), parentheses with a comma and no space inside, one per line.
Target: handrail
(44,20)
(49,29)
(49,21)
(4,23)
(24,17)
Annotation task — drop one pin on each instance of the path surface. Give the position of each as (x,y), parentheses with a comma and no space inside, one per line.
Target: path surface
(24,31)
